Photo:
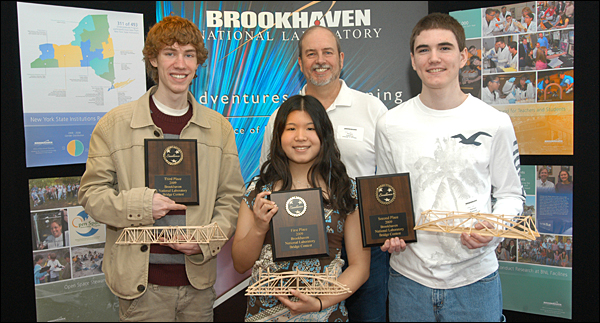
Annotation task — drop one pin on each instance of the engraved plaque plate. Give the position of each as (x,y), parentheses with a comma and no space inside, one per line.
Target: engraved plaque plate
(172,168)
(298,229)
(386,209)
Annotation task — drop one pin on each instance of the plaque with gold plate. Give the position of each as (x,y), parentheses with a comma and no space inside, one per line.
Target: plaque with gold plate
(386,208)
(298,229)
(172,168)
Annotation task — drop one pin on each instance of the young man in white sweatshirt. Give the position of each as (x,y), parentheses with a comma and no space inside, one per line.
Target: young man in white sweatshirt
(457,150)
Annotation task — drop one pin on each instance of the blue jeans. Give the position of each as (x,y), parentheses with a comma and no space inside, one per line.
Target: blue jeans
(368,303)
(413,302)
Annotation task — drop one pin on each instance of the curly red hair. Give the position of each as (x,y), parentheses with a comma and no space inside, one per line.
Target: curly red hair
(170,30)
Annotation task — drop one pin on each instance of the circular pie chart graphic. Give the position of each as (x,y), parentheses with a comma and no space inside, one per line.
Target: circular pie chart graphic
(75,148)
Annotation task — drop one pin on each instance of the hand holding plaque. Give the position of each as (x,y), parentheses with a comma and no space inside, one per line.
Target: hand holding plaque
(172,168)
(386,209)
(298,228)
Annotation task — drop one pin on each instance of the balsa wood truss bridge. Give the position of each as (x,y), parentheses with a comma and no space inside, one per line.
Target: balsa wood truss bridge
(515,227)
(308,283)
(172,234)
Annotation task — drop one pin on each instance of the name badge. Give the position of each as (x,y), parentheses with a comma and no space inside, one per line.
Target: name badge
(350,133)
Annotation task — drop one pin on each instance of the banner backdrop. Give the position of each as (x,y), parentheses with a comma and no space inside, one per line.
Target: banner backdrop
(253,60)
(68,251)
(521,62)
(252,64)
(533,82)
(537,275)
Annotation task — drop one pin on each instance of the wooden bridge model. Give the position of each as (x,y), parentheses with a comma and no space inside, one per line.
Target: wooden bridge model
(308,283)
(172,234)
(516,227)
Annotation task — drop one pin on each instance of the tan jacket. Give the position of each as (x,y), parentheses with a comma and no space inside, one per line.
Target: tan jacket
(113,189)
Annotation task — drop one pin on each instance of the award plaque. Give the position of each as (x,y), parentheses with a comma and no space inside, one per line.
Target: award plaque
(386,209)
(298,229)
(172,168)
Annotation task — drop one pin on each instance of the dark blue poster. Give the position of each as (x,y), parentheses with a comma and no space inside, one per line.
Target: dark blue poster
(252,64)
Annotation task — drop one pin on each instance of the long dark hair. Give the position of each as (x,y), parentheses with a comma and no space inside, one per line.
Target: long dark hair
(327,164)
(524,87)
(471,60)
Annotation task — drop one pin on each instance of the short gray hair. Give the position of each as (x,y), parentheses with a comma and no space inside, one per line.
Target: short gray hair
(309,30)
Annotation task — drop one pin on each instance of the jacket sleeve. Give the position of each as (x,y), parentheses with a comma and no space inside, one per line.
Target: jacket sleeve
(229,195)
(508,87)
(36,272)
(530,91)
(99,192)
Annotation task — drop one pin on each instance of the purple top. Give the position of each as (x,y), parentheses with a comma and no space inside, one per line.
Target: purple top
(564,188)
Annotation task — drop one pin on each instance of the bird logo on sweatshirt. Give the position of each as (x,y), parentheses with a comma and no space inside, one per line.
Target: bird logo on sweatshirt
(471,140)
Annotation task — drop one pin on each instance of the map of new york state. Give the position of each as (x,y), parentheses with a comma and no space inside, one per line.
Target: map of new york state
(92,47)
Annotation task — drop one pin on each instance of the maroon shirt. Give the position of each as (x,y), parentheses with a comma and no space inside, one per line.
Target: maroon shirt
(168,274)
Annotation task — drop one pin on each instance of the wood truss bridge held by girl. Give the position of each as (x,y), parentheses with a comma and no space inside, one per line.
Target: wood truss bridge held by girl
(308,283)
(176,234)
(515,227)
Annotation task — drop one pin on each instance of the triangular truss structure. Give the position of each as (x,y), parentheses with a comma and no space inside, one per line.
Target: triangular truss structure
(308,283)
(176,234)
(515,227)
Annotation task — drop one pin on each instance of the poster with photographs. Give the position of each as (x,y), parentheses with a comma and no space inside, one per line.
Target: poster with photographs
(520,60)
(68,249)
(536,274)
